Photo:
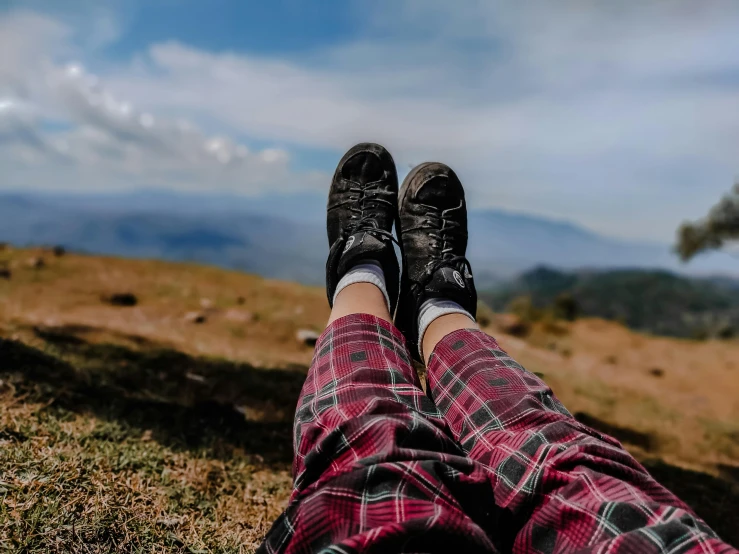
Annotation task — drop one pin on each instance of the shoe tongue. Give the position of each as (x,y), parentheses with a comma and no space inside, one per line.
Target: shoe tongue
(361,246)
(450,283)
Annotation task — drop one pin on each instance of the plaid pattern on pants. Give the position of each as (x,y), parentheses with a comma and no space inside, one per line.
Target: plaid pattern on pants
(494,463)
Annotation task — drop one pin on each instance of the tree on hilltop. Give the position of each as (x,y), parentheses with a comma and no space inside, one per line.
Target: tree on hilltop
(718,228)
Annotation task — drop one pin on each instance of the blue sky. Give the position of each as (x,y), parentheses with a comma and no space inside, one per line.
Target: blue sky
(621,117)
(275,27)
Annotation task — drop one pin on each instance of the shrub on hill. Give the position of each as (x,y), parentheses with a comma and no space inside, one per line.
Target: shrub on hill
(658,302)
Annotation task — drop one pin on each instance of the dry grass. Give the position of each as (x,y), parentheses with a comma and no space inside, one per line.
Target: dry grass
(683,394)
(129,429)
(67,292)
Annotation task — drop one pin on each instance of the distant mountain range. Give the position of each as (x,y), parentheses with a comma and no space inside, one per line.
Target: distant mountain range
(284,236)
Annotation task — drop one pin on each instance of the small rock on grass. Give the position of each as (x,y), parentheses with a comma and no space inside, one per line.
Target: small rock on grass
(513,325)
(35,262)
(195,317)
(307,336)
(124,299)
(238,316)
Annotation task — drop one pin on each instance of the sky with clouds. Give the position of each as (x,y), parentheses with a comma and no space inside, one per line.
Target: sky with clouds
(623,117)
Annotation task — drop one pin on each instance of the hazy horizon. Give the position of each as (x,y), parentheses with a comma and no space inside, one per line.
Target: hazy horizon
(249,233)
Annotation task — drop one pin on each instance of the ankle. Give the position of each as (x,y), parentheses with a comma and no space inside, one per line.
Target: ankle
(364,271)
(360,298)
(442,326)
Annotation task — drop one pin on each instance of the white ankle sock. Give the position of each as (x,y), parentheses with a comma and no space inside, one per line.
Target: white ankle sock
(365,272)
(433,309)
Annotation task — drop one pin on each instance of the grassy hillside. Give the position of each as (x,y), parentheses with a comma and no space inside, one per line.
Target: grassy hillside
(135,429)
(658,302)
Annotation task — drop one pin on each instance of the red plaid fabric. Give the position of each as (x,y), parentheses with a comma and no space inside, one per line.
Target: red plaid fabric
(494,463)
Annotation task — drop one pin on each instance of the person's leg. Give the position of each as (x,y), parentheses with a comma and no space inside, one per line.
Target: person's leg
(375,468)
(440,328)
(567,487)
(574,487)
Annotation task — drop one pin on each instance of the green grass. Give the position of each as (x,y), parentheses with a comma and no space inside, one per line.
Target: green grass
(109,449)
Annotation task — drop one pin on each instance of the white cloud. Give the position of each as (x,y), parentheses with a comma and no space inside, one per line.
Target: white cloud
(62,128)
(622,117)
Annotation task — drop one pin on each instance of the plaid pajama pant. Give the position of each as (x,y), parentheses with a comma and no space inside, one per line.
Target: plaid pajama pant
(494,463)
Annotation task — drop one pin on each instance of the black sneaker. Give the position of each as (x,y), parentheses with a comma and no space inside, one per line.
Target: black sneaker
(362,207)
(433,232)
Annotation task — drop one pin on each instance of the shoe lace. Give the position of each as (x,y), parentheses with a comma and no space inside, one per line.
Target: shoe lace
(358,202)
(443,231)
